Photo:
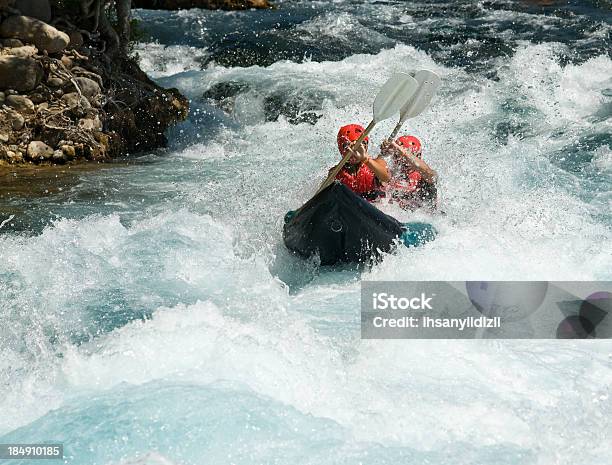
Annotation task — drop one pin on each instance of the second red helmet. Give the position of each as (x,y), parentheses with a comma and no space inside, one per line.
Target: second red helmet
(347,134)
(410,142)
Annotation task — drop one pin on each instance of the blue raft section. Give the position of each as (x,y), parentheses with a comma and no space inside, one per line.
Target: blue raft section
(417,234)
(341,227)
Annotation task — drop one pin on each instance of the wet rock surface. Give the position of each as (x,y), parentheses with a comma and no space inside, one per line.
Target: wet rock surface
(39,150)
(297,106)
(223,94)
(19,73)
(69,92)
(62,99)
(32,30)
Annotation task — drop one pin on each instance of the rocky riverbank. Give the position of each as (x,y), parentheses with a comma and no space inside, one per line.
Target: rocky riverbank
(70,92)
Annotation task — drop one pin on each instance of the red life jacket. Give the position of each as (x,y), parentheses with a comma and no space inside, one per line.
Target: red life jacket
(407,182)
(411,191)
(362,182)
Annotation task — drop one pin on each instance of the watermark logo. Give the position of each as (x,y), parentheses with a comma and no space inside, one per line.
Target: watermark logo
(386,301)
(485,309)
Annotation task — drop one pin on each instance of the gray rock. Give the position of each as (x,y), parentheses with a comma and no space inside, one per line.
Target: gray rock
(2,97)
(19,73)
(4,137)
(73,99)
(58,156)
(89,87)
(55,82)
(90,124)
(38,150)
(37,98)
(24,51)
(39,9)
(42,35)
(12,43)
(19,103)
(14,119)
(14,157)
(17,120)
(68,151)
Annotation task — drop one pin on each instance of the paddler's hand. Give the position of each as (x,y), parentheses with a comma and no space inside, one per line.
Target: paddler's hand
(389,147)
(360,154)
(406,155)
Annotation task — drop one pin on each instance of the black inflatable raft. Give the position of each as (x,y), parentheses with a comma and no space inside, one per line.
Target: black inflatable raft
(340,226)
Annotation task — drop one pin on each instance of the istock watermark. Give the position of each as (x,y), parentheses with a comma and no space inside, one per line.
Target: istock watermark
(486,309)
(385,301)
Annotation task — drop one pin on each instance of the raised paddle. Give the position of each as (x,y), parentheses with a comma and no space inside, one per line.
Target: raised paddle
(390,98)
(428,82)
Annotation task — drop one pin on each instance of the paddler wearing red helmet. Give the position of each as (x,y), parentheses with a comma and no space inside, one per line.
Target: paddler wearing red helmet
(361,173)
(413,181)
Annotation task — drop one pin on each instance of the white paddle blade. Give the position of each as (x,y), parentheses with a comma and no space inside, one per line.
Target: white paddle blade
(428,83)
(393,95)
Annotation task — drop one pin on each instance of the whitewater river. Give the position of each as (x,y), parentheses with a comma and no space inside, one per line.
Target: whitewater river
(150,307)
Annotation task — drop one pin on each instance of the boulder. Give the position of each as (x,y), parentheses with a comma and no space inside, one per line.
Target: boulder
(89,88)
(14,157)
(19,73)
(90,124)
(58,156)
(37,97)
(39,9)
(11,43)
(37,32)
(14,119)
(2,97)
(21,104)
(38,150)
(55,82)
(68,151)
(23,51)
(73,99)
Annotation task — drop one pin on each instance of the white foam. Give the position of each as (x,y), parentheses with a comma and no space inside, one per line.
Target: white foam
(159,60)
(204,263)
(150,458)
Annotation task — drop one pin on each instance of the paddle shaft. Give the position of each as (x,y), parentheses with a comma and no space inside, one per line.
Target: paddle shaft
(396,129)
(349,152)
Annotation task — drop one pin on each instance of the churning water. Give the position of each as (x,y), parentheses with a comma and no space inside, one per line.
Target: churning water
(149,308)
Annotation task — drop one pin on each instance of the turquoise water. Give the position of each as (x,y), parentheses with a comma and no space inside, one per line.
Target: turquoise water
(150,309)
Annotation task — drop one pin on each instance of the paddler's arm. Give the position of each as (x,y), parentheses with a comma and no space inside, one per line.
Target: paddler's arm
(427,172)
(379,167)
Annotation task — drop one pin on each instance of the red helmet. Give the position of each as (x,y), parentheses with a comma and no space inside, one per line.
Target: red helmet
(347,134)
(411,143)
